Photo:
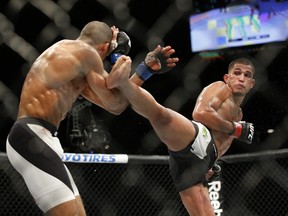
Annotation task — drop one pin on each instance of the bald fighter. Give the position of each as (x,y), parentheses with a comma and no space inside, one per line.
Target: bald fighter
(64,71)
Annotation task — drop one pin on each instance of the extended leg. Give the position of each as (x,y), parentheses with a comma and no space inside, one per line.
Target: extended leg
(175,130)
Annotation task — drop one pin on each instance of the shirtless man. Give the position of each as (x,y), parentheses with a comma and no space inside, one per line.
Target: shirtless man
(64,71)
(195,145)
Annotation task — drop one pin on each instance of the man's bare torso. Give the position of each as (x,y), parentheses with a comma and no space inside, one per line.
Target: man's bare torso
(54,82)
(219,97)
(231,112)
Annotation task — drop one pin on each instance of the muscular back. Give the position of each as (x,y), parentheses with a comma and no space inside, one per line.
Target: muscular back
(56,79)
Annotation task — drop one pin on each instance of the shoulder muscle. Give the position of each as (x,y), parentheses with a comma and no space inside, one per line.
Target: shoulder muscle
(214,95)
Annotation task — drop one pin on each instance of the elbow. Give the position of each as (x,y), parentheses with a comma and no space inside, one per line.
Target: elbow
(199,116)
(117,110)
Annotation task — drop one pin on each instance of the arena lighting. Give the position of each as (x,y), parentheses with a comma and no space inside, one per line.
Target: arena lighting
(239,25)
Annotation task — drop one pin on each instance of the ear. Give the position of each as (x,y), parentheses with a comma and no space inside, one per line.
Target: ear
(101,48)
(226,78)
(252,83)
(106,47)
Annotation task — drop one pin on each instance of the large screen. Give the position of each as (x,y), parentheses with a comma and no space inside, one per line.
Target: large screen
(239,25)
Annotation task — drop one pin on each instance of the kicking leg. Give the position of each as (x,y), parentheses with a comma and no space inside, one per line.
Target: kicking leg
(173,129)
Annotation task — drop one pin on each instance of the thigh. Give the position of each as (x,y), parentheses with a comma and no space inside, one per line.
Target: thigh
(187,169)
(31,156)
(174,129)
(47,190)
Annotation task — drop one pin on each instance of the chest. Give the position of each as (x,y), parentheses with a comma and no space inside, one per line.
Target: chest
(230,111)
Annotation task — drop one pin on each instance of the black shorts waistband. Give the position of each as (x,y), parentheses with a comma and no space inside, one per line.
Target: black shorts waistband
(52,128)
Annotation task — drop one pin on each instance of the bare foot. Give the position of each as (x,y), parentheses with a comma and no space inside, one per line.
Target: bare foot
(120,73)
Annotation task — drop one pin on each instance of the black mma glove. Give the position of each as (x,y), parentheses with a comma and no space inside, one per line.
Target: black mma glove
(123,46)
(243,131)
(144,71)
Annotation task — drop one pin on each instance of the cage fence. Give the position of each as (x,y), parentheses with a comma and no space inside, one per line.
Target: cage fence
(249,184)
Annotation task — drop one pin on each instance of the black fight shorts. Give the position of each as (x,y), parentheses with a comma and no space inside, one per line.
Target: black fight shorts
(190,165)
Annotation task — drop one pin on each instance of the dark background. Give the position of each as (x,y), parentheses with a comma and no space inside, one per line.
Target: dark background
(28,27)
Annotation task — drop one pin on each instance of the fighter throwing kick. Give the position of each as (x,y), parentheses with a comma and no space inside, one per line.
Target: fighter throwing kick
(195,145)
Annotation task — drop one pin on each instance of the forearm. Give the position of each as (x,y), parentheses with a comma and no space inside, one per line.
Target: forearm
(214,121)
(114,101)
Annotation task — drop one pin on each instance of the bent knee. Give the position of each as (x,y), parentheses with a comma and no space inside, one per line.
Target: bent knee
(72,207)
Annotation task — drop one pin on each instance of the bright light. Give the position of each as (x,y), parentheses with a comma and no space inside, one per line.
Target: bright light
(270,131)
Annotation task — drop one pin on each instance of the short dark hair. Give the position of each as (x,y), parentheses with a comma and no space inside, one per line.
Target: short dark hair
(97,32)
(244,61)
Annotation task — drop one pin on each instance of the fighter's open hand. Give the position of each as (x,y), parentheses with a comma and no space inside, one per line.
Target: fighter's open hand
(156,62)
(115,31)
(159,59)
(113,43)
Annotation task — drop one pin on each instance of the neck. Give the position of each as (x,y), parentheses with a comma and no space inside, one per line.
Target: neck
(238,99)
